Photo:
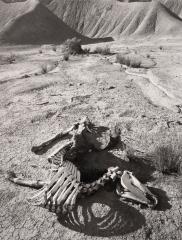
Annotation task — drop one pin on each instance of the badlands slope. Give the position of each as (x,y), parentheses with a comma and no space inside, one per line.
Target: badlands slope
(30,22)
(174,6)
(117,19)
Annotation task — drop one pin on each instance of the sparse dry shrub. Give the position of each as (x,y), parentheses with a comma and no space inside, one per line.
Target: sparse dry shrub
(167,157)
(54,48)
(86,50)
(44,69)
(66,56)
(73,46)
(128,60)
(56,63)
(11,58)
(103,50)
(135,63)
(148,56)
(161,47)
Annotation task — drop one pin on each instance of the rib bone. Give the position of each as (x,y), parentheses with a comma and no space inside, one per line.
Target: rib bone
(69,199)
(60,190)
(65,193)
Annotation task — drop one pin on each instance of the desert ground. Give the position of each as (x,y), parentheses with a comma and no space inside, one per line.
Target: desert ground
(36,104)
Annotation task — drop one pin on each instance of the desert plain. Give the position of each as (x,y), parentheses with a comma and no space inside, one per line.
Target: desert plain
(41,94)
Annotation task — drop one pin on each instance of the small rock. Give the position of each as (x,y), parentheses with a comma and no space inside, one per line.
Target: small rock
(34,165)
(111,87)
(26,76)
(71,84)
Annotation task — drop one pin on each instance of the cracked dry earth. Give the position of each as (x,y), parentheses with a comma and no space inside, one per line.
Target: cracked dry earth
(35,108)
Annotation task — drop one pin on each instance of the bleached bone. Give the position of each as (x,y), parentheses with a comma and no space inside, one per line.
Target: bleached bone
(68,167)
(84,123)
(67,191)
(59,183)
(56,177)
(25,182)
(71,198)
(135,190)
(61,190)
(74,172)
(78,175)
(43,146)
(59,200)
(71,169)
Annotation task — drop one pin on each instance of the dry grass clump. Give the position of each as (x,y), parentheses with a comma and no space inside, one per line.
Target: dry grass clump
(86,50)
(54,48)
(47,67)
(73,46)
(148,56)
(103,50)
(167,157)
(130,60)
(66,56)
(44,69)
(161,48)
(55,64)
(11,58)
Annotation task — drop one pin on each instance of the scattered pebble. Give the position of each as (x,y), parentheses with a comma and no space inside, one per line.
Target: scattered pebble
(111,87)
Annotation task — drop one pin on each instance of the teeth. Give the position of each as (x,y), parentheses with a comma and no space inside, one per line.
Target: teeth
(134,197)
(137,183)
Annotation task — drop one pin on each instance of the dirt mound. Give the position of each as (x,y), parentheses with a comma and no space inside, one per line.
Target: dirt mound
(30,22)
(105,18)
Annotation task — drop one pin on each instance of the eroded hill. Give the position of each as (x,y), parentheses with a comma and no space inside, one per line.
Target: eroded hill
(105,18)
(30,22)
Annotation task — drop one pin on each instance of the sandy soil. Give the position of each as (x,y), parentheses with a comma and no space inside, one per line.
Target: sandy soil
(35,106)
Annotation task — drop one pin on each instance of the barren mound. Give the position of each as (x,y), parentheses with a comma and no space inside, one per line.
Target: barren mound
(174,6)
(30,22)
(53,21)
(105,18)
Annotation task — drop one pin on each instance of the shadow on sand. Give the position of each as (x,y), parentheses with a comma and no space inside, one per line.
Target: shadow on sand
(103,215)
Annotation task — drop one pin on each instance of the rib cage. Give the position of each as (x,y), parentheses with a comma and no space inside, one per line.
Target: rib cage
(65,186)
